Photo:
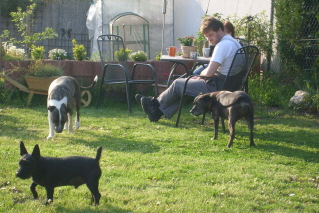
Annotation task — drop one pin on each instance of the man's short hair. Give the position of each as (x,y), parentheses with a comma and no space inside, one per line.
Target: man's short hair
(210,23)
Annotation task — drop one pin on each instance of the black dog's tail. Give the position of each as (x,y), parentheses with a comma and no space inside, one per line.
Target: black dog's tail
(92,85)
(98,154)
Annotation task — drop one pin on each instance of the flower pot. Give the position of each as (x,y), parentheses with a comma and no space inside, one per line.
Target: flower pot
(187,49)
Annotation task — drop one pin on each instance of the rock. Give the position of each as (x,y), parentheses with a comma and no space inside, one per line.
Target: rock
(298,97)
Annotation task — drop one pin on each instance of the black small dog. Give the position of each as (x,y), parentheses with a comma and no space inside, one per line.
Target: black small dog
(227,105)
(51,172)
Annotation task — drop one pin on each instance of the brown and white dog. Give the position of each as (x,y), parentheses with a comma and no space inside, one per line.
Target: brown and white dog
(227,105)
(63,96)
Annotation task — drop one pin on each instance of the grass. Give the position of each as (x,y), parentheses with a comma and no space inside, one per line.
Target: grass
(155,167)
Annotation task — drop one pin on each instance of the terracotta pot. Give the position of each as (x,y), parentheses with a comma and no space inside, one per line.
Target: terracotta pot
(187,49)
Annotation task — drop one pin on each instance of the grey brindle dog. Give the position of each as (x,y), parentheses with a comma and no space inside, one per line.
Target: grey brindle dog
(227,105)
(64,96)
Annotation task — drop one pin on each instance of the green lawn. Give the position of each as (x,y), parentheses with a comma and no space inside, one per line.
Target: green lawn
(156,167)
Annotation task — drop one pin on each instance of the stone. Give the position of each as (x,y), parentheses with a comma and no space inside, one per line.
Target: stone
(298,97)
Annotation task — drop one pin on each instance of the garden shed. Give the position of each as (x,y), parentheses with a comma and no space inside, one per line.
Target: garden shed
(143,23)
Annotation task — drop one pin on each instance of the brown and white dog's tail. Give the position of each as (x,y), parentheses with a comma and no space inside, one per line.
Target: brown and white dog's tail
(92,85)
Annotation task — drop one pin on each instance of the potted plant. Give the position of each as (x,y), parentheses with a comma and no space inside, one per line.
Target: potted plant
(78,51)
(58,54)
(37,53)
(187,45)
(40,75)
(138,56)
(122,55)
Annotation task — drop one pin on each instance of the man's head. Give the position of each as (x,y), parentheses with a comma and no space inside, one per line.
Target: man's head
(212,29)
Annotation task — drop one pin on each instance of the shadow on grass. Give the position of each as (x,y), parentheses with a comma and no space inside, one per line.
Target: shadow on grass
(118,144)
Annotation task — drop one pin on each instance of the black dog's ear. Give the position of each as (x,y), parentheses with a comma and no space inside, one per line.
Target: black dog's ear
(36,152)
(23,150)
(51,108)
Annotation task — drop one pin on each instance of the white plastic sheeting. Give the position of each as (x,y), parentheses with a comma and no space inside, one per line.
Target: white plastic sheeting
(102,12)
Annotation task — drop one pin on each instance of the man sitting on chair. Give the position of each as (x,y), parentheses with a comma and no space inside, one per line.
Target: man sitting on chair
(225,49)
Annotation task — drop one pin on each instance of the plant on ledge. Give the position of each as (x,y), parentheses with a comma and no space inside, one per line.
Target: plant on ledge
(122,55)
(138,56)
(78,51)
(57,54)
(37,53)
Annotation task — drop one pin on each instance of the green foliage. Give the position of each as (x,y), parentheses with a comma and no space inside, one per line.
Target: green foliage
(12,58)
(158,57)
(39,69)
(78,51)
(37,53)
(138,56)
(57,54)
(256,29)
(22,20)
(268,90)
(11,52)
(122,55)
(295,21)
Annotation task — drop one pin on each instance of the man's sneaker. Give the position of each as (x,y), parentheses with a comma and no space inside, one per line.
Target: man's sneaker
(151,108)
(138,98)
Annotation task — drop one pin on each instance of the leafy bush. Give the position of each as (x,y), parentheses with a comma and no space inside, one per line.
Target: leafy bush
(138,56)
(268,90)
(78,51)
(122,55)
(37,53)
(57,54)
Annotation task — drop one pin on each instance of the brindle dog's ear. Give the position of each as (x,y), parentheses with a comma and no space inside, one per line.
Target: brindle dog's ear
(206,98)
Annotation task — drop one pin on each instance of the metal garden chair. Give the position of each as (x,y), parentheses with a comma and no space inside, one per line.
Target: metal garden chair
(117,72)
(237,76)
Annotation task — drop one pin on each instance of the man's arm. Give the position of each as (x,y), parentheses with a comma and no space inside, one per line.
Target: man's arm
(211,69)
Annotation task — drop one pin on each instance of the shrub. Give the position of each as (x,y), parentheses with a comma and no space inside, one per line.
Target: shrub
(57,54)
(122,55)
(37,53)
(78,51)
(11,52)
(138,56)
(39,69)
(268,90)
